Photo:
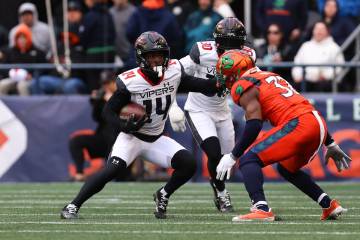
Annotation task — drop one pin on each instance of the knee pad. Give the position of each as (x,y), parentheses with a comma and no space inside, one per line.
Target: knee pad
(248,158)
(183,159)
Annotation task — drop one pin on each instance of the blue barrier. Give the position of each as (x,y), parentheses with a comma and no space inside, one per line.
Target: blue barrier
(34,133)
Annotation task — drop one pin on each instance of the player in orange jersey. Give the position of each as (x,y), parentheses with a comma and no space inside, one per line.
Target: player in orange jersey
(297,134)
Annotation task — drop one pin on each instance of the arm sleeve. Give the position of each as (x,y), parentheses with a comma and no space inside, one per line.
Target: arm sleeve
(241,86)
(193,84)
(251,131)
(112,108)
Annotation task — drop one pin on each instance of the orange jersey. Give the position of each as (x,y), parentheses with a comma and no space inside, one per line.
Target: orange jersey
(279,101)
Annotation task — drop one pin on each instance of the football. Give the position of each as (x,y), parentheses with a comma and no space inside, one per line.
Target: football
(132,108)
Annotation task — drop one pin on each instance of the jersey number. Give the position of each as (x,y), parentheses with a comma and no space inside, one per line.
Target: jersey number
(159,108)
(276,80)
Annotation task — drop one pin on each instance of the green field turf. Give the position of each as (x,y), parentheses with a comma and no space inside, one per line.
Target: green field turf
(125,211)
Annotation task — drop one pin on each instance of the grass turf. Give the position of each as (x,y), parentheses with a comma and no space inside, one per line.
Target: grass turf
(125,211)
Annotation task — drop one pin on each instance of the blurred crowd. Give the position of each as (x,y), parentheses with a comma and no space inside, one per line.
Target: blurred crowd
(104,31)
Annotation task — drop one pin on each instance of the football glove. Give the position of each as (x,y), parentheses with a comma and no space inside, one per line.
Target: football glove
(131,125)
(220,84)
(177,118)
(224,167)
(341,160)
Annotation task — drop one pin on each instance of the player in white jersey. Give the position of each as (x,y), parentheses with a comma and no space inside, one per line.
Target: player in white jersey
(154,85)
(210,118)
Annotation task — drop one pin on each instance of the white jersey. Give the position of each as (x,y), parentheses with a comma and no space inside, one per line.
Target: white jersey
(201,62)
(156,99)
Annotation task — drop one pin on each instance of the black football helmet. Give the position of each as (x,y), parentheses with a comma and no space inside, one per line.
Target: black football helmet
(151,42)
(229,34)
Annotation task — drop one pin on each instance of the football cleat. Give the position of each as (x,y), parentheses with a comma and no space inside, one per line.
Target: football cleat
(161,202)
(256,215)
(333,212)
(222,203)
(70,211)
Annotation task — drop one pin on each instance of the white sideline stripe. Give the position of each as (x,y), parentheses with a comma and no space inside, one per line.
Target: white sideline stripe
(177,196)
(72,222)
(145,208)
(183,232)
(170,214)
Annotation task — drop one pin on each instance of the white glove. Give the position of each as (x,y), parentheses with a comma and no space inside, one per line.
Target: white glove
(177,118)
(341,160)
(224,167)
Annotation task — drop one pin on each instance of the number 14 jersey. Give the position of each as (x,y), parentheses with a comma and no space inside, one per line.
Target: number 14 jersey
(156,98)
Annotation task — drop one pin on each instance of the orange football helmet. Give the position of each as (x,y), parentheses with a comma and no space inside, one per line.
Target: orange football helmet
(232,65)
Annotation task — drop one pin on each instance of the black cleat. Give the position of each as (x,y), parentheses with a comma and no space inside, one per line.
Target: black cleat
(222,203)
(70,211)
(161,202)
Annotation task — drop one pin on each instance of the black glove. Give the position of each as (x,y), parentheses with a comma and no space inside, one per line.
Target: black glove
(131,125)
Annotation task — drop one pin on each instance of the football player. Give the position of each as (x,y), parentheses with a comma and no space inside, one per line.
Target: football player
(298,133)
(210,118)
(154,85)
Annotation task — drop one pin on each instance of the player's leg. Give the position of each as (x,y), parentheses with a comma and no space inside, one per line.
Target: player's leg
(125,150)
(290,169)
(166,153)
(203,128)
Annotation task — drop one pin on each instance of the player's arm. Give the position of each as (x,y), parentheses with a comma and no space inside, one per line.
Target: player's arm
(250,103)
(189,83)
(118,100)
(341,160)
(190,61)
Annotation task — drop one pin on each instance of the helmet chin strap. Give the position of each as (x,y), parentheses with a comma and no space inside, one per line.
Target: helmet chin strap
(158,70)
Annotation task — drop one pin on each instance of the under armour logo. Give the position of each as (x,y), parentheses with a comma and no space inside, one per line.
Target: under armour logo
(116,162)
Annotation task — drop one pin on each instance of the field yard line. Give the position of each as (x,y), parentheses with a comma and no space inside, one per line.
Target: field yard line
(172,207)
(120,190)
(120,201)
(183,232)
(151,214)
(131,196)
(72,222)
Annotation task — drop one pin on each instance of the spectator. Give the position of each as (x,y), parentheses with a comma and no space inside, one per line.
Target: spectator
(181,10)
(275,50)
(121,12)
(200,24)
(23,52)
(97,36)
(152,15)
(290,15)
(340,27)
(97,144)
(321,49)
(223,8)
(28,15)
(349,8)
(59,82)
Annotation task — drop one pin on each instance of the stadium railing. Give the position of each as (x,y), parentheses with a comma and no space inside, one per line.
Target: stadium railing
(84,66)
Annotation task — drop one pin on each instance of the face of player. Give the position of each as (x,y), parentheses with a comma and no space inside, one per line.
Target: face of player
(330,8)
(154,59)
(320,32)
